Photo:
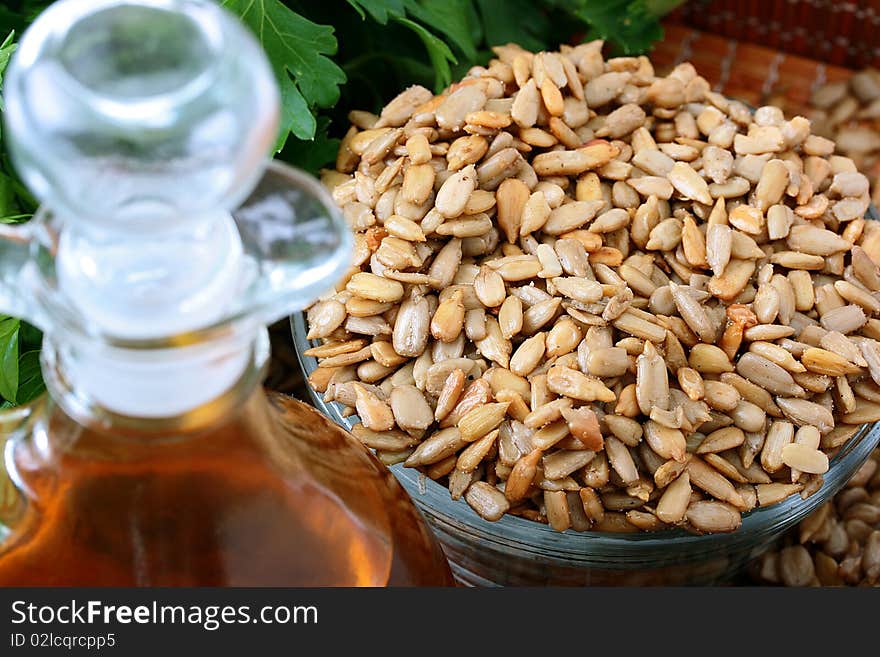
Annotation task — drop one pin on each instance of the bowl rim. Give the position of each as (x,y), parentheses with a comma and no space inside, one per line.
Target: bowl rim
(543,541)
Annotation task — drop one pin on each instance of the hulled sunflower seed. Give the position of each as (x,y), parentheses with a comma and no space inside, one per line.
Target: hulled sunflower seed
(652,383)
(805,412)
(410,335)
(666,442)
(570,216)
(689,183)
(572,383)
(711,481)
(411,410)
(486,500)
(481,420)
(804,458)
(767,375)
(692,313)
(621,460)
(713,517)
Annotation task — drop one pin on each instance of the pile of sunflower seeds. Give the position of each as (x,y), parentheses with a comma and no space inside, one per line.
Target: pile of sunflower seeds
(839,545)
(598,298)
(849,113)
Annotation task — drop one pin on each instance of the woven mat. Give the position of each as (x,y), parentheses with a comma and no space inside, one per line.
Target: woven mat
(839,32)
(752,73)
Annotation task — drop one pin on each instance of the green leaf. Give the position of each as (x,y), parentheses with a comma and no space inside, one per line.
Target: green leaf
(628,24)
(15,218)
(439,53)
(30,337)
(8,207)
(26,201)
(6,50)
(295,115)
(517,21)
(9,329)
(449,17)
(662,7)
(381,10)
(31,383)
(452,18)
(298,50)
(18,14)
(315,154)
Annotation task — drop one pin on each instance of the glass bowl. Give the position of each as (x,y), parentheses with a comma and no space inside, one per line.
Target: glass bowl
(518,552)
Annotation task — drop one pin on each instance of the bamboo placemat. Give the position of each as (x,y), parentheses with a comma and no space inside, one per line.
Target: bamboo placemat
(755,74)
(838,32)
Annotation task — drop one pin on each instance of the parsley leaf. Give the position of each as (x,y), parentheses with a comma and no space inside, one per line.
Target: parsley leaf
(9,329)
(7,199)
(298,50)
(30,385)
(440,54)
(517,21)
(380,10)
(446,17)
(314,154)
(453,19)
(6,50)
(15,200)
(629,24)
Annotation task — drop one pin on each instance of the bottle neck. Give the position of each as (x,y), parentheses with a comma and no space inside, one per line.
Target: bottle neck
(154,391)
(150,286)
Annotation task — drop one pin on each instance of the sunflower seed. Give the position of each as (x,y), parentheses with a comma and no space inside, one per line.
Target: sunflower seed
(486,500)
(571,383)
(689,183)
(803,412)
(767,375)
(844,319)
(713,517)
(652,383)
(621,460)
(666,442)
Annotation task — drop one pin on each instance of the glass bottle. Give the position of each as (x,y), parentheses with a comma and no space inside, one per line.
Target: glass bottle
(165,243)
